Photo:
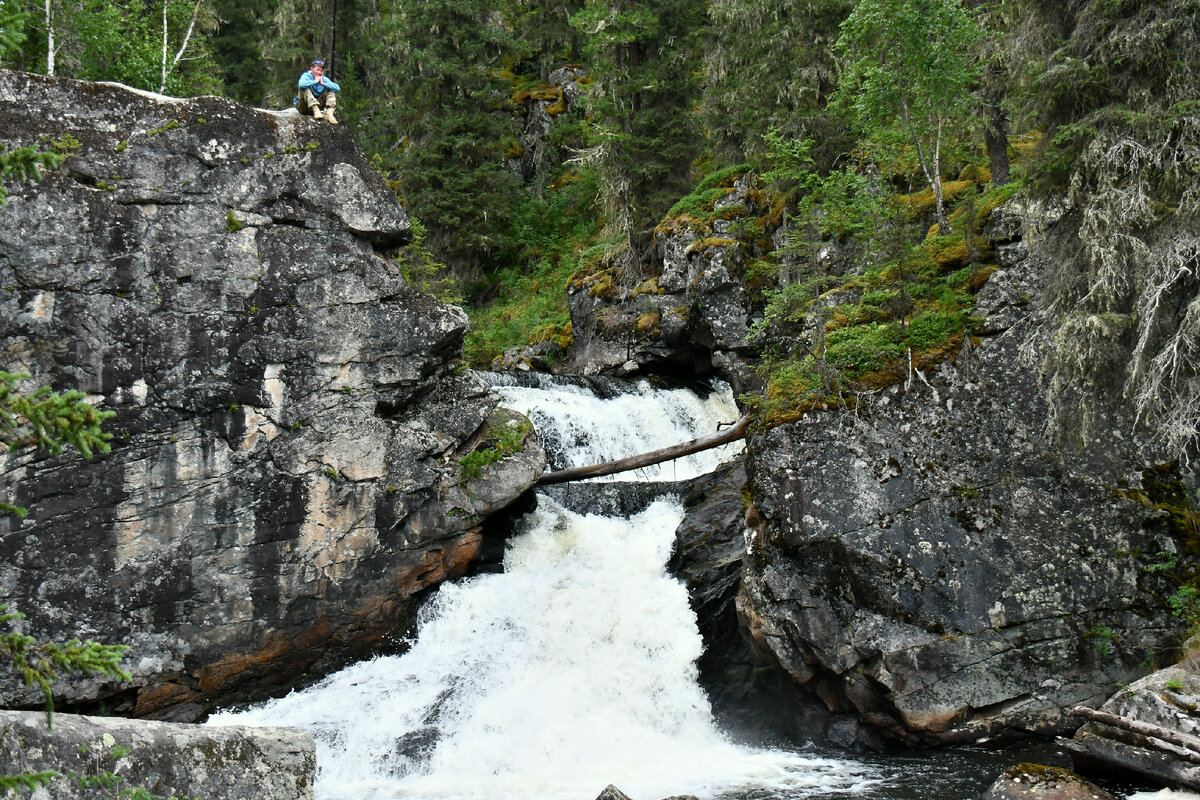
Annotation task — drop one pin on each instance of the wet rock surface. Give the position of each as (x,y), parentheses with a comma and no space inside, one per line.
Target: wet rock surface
(164,759)
(289,413)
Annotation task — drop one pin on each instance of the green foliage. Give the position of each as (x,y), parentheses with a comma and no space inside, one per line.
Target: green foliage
(238,53)
(1106,638)
(1164,562)
(771,65)
(499,443)
(643,128)
(841,204)
(930,329)
(864,348)
(122,40)
(697,207)
(25,164)
(423,271)
(26,781)
(1185,604)
(447,111)
(552,238)
(40,664)
(232,223)
(1122,141)
(48,420)
(910,66)
(13,23)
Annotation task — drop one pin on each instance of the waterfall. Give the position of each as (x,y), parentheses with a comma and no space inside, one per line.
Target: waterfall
(572,669)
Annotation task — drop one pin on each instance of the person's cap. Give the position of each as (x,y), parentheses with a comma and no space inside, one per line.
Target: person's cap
(317,63)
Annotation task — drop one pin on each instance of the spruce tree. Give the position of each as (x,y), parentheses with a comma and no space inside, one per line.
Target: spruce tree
(545,26)
(447,127)
(238,50)
(771,65)
(1122,145)
(645,57)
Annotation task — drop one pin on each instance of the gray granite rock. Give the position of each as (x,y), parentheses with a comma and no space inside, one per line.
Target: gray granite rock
(1035,782)
(289,412)
(692,318)
(1168,699)
(928,566)
(165,759)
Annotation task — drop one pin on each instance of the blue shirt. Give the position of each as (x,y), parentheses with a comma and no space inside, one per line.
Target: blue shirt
(309,81)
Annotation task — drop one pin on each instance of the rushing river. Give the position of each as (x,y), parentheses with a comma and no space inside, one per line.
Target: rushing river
(575,667)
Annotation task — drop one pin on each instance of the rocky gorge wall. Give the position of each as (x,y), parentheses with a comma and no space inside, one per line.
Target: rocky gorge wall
(929,566)
(289,413)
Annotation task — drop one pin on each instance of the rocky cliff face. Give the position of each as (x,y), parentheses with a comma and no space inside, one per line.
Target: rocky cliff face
(928,567)
(692,318)
(290,414)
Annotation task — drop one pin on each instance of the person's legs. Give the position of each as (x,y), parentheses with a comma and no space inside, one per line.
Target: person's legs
(309,104)
(329,101)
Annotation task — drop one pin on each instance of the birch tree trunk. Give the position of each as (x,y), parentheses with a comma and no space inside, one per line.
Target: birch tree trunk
(49,38)
(187,37)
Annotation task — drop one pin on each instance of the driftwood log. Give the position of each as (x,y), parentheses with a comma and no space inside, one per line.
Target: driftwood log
(1190,745)
(1167,755)
(647,459)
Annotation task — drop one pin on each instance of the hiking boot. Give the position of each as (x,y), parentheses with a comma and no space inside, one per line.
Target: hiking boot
(318,114)
(329,117)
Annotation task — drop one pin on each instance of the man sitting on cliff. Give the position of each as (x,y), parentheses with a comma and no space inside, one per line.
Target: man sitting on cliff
(318,94)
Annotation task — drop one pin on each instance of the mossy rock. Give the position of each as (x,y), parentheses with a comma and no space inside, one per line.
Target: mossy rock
(976,173)
(1037,782)
(504,434)
(647,324)
(702,245)
(560,335)
(948,252)
(648,286)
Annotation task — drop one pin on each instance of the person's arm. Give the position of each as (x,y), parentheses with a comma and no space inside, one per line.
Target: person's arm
(333,87)
(307,80)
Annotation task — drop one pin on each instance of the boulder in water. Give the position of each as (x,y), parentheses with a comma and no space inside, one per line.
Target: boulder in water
(1036,782)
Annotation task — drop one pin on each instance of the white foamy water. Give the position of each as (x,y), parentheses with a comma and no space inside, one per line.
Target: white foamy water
(579,429)
(571,670)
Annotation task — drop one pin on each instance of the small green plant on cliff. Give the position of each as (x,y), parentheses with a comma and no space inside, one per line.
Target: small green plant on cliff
(423,271)
(1185,604)
(170,126)
(1105,638)
(25,164)
(500,443)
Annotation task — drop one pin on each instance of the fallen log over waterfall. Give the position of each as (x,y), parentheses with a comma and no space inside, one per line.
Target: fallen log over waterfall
(647,459)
